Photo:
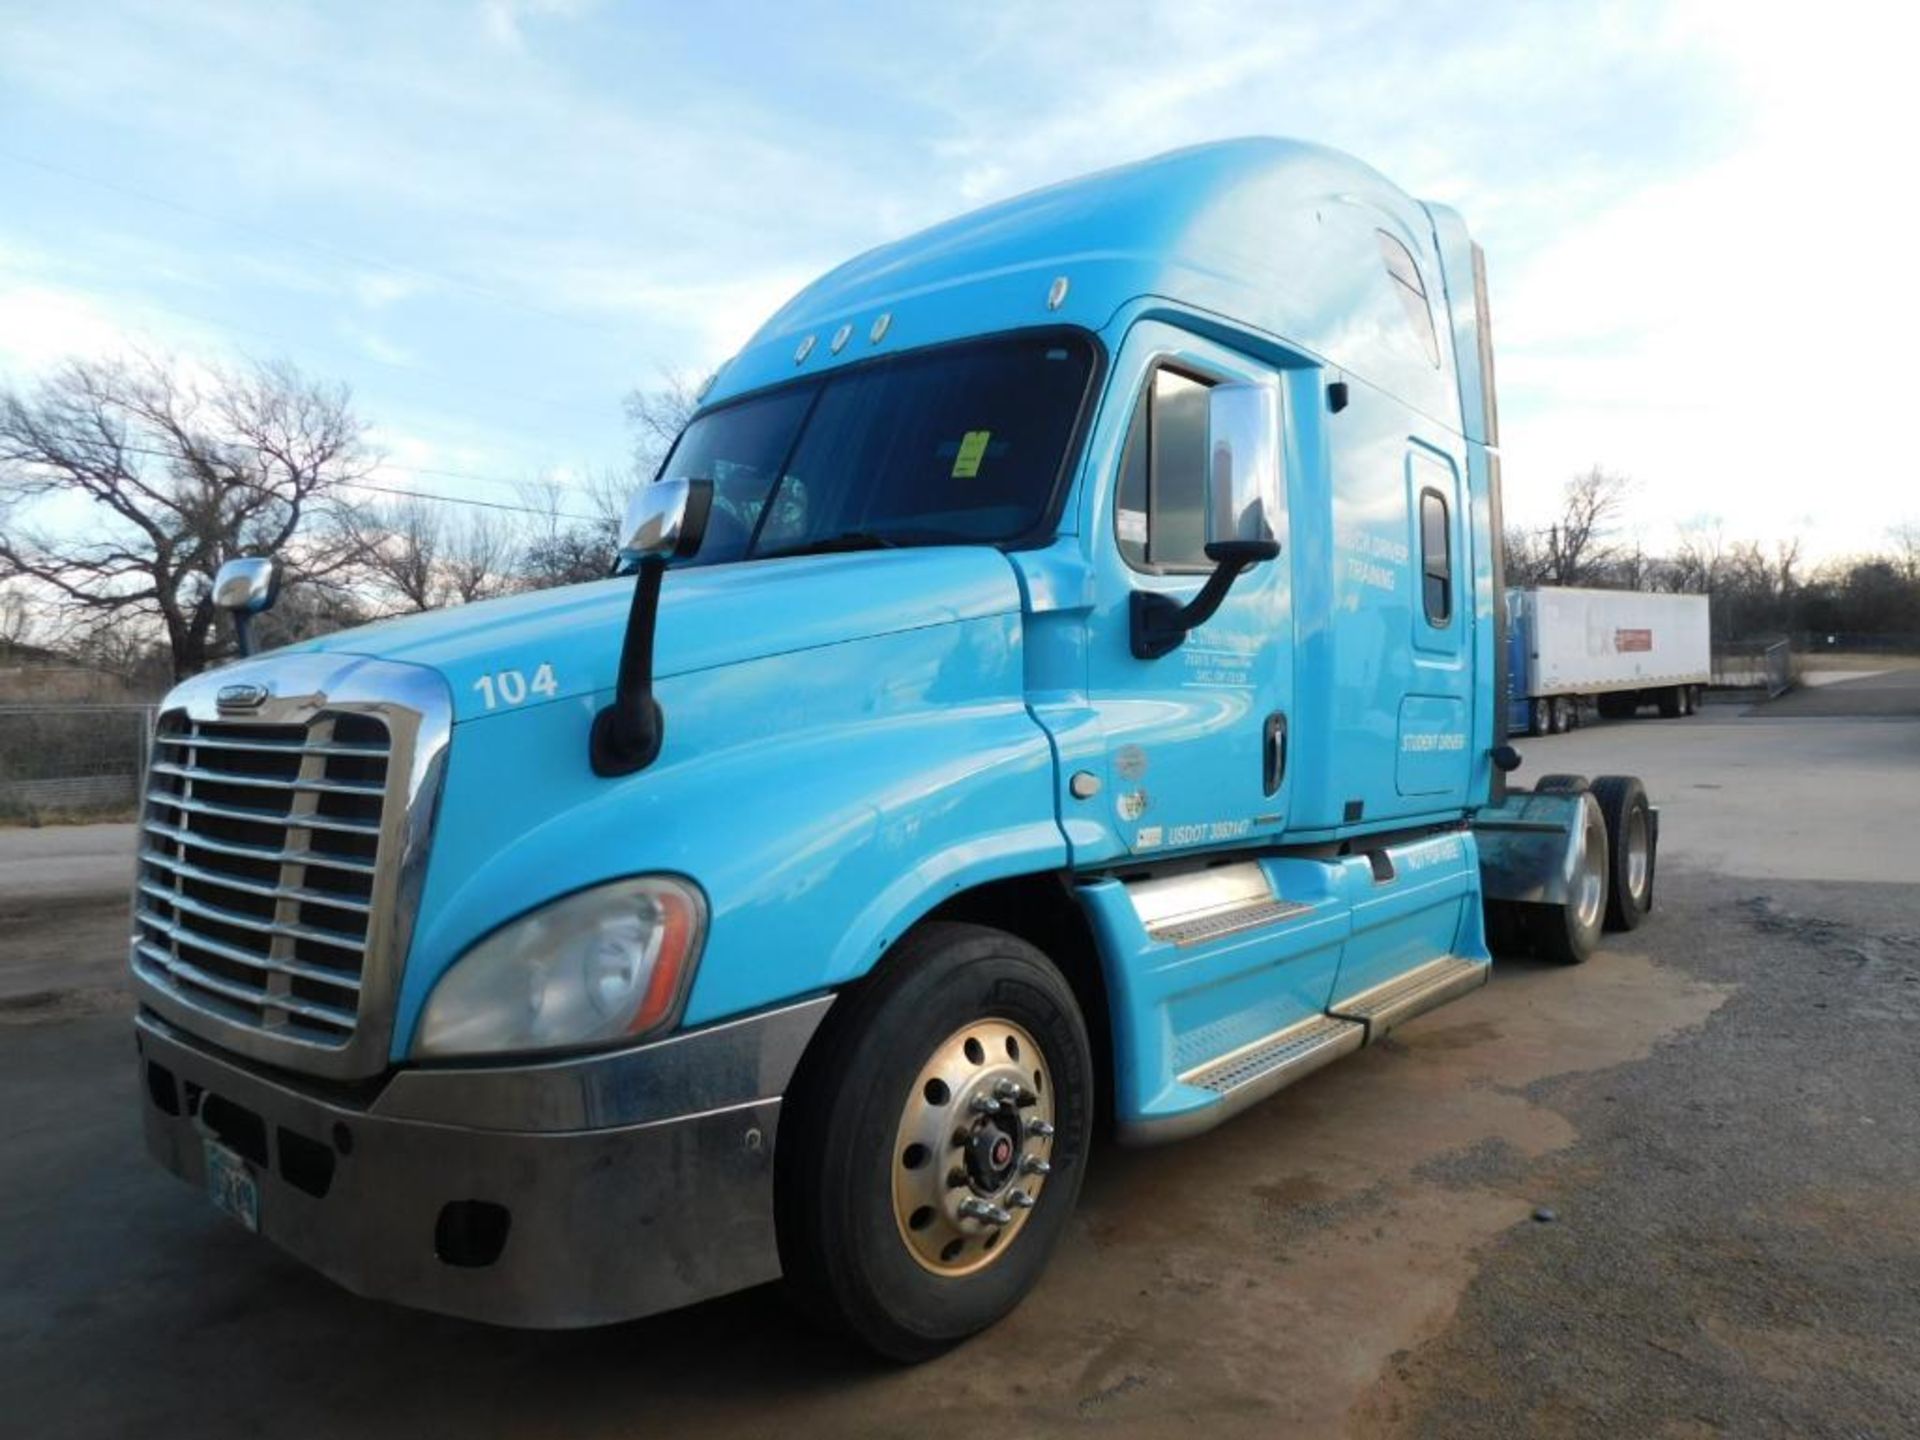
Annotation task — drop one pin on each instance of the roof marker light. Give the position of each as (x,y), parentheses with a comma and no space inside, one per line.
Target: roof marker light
(1057,294)
(806,349)
(879,330)
(840,338)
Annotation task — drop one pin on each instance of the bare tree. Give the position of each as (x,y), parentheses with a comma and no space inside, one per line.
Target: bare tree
(16,616)
(427,558)
(1700,558)
(1526,562)
(179,474)
(1575,549)
(1906,548)
(575,530)
(657,417)
(1576,544)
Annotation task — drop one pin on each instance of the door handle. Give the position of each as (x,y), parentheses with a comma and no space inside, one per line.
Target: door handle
(1275,750)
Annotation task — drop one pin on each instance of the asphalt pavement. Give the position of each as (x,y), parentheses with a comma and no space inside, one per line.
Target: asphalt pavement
(1673,1192)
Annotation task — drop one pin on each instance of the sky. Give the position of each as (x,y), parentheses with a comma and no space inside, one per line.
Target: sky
(494,219)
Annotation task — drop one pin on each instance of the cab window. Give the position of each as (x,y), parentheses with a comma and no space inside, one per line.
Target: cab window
(1436,559)
(1160,519)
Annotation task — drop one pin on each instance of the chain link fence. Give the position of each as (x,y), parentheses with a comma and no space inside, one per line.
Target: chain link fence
(1765,665)
(81,760)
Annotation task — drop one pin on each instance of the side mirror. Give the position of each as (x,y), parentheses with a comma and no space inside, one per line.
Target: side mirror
(1243,502)
(1243,466)
(244,588)
(665,521)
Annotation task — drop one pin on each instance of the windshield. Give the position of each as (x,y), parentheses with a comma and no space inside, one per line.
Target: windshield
(959,445)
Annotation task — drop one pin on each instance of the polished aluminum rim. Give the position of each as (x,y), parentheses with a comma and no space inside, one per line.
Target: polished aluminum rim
(973,1148)
(1639,854)
(1590,886)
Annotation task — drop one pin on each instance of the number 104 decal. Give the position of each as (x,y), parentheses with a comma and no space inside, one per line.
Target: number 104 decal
(512,687)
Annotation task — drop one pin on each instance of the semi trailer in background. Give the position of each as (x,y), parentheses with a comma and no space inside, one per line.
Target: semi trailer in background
(1623,650)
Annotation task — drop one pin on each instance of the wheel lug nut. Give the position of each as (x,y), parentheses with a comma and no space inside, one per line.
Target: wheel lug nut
(1007,1088)
(1041,1128)
(974,1208)
(1019,1200)
(1034,1165)
(984,1105)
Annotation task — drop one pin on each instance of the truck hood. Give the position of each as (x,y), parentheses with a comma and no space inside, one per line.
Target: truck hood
(566,642)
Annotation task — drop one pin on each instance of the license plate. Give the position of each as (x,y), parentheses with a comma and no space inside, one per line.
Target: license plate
(231,1186)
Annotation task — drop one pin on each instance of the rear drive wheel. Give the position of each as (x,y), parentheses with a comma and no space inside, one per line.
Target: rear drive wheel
(935,1141)
(1630,843)
(1557,715)
(1557,784)
(1567,933)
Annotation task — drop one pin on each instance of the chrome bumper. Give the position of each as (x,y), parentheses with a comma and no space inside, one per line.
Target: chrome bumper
(555,1195)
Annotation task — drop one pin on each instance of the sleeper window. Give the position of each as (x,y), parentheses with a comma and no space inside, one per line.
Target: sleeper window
(1436,558)
(1161,515)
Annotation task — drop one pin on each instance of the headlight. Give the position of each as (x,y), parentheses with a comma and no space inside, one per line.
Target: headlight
(606,964)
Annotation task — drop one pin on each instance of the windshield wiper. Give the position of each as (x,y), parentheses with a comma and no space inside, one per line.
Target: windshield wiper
(851,540)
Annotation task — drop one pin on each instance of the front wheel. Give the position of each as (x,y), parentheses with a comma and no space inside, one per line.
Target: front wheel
(933,1147)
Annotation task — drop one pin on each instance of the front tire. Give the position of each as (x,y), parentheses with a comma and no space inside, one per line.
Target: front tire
(922,1110)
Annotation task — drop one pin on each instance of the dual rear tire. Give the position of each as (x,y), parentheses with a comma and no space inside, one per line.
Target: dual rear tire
(1610,884)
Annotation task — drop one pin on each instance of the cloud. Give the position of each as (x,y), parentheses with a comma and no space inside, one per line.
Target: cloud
(516,210)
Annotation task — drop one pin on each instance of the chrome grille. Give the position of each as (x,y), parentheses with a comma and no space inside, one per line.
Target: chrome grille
(261,845)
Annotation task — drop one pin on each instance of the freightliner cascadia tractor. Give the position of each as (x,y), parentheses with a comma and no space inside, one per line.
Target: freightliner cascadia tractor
(1053,685)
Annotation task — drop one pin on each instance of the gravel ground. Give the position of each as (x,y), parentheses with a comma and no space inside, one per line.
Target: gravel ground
(1736,1241)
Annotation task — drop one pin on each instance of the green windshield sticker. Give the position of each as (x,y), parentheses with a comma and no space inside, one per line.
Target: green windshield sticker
(973,448)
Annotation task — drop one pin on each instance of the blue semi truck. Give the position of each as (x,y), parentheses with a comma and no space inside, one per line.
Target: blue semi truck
(1054,682)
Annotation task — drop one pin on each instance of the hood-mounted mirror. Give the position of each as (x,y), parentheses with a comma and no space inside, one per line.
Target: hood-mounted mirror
(245,588)
(664,521)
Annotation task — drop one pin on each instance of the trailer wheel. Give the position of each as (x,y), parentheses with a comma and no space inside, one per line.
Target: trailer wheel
(932,1148)
(1560,784)
(1567,933)
(1671,703)
(1631,844)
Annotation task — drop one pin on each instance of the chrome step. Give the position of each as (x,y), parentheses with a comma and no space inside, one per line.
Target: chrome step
(1249,1075)
(1414,993)
(1199,929)
(1205,905)
(1274,1060)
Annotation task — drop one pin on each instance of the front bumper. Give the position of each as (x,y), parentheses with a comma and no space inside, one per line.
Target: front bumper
(552,1195)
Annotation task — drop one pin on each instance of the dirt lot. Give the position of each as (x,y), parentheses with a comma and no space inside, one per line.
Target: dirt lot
(1717,1114)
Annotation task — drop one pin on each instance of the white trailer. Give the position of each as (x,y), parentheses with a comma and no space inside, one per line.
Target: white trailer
(1623,649)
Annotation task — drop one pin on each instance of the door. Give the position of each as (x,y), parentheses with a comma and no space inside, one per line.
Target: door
(1196,740)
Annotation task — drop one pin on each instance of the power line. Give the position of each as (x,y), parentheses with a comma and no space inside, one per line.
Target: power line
(466,500)
(423,494)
